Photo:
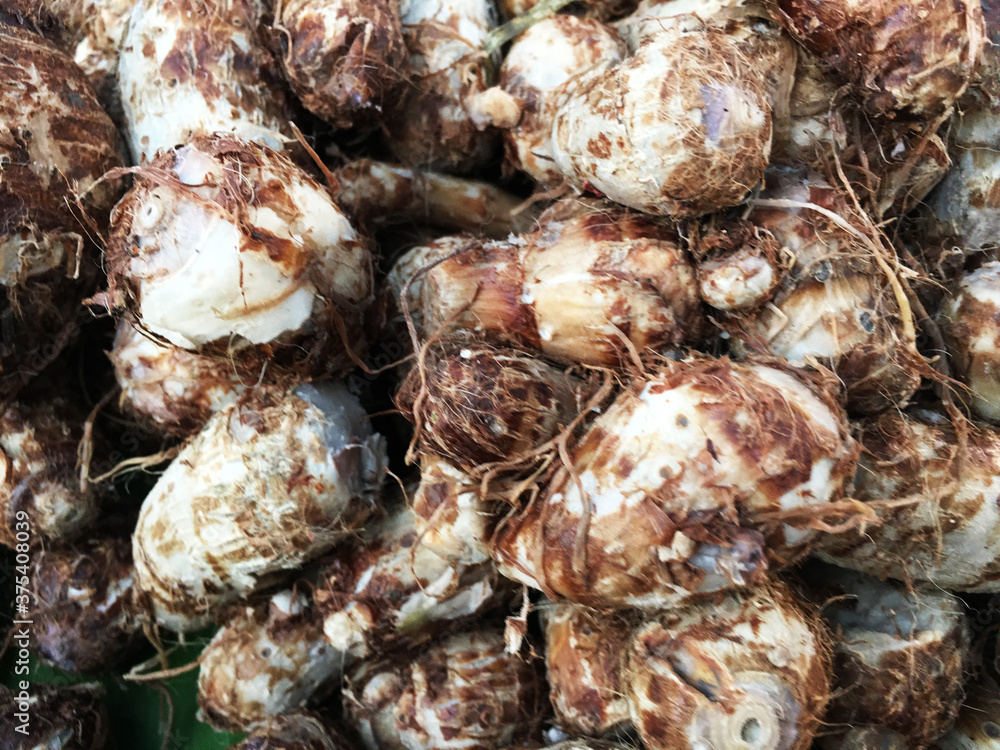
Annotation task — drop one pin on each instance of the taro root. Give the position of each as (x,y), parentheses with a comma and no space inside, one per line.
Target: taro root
(584,290)
(473,404)
(937,504)
(174,389)
(83,608)
(373,191)
(741,671)
(432,125)
(583,656)
(346,59)
(916,56)
(93,32)
(189,68)
(555,53)
(389,589)
(971,326)
(265,661)
(463,691)
(55,143)
(227,247)
(835,305)
(898,654)
(739,265)
(40,495)
(687,484)
(269,483)
(978,724)
(682,126)
(453,519)
(294,731)
(407,277)
(54,717)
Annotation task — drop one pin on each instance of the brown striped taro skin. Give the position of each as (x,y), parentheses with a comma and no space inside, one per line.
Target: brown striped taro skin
(899,655)
(970,322)
(389,589)
(269,484)
(464,691)
(835,304)
(739,671)
(345,59)
(686,485)
(294,731)
(479,404)
(227,247)
(62,717)
(917,56)
(939,507)
(174,389)
(584,650)
(55,143)
(978,724)
(578,291)
(83,605)
(40,495)
(266,660)
(432,125)
(190,68)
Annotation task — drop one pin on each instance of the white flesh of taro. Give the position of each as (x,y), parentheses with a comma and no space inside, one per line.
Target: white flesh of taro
(206,264)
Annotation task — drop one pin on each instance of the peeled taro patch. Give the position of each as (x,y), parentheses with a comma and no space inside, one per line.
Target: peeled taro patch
(188,68)
(739,671)
(689,483)
(265,661)
(899,655)
(229,248)
(345,59)
(465,691)
(936,499)
(268,484)
(83,605)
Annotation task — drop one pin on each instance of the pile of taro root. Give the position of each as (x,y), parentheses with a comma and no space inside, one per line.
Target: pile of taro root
(596,375)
